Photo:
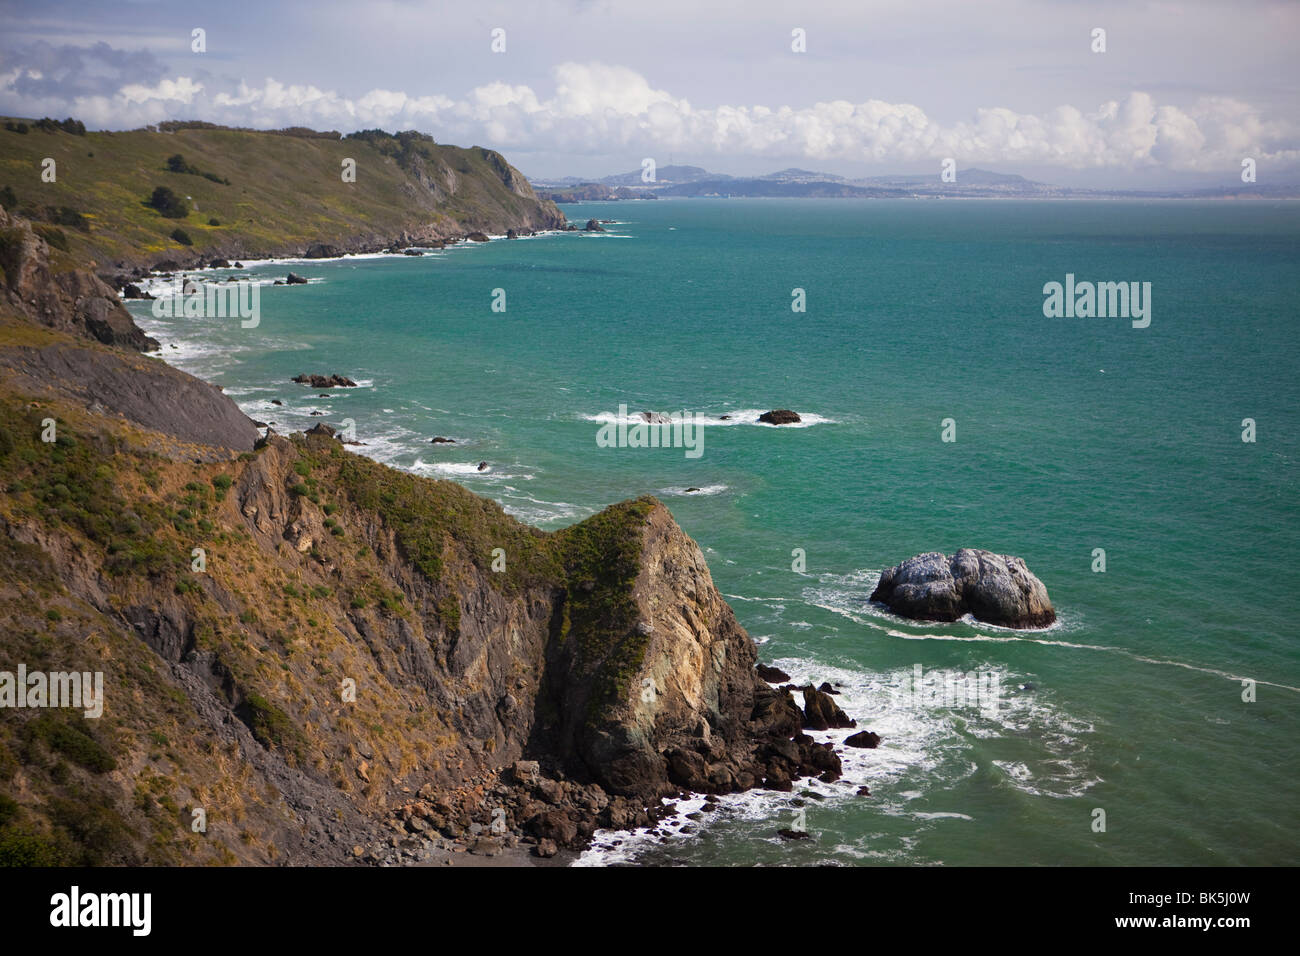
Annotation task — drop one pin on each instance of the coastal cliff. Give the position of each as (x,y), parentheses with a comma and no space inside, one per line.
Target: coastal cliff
(247,194)
(326,659)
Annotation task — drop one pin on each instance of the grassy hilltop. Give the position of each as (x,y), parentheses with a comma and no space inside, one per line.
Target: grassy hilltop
(242,193)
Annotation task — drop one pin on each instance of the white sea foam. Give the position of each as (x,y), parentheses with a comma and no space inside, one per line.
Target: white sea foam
(469,469)
(747,416)
(698,492)
(847,596)
(923,751)
(535,511)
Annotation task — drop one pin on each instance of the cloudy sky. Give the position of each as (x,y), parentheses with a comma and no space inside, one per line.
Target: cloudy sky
(1183,91)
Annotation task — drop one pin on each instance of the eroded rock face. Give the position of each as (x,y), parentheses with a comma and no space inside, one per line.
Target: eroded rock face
(67,300)
(994,588)
(678,712)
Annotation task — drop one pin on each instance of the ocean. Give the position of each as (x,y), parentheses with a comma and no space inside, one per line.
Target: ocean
(1118,736)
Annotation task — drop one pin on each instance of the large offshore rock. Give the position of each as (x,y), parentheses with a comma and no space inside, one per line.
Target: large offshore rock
(995,588)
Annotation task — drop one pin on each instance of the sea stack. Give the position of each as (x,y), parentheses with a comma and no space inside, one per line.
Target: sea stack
(994,588)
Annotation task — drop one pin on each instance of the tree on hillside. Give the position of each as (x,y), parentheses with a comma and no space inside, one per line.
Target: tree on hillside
(169,204)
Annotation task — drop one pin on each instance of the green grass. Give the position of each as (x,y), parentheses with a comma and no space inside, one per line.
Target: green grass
(602,558)
(283,190)
(72,740)
(269,724)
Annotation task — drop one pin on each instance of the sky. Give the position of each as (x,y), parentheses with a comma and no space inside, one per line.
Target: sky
(1181,94)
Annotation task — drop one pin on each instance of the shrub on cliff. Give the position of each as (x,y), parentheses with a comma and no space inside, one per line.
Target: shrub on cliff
(168,204)
(176,164)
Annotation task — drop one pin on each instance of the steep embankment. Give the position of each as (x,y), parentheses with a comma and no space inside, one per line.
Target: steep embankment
(59,326)
(331,659)
(233,606)
(247,194)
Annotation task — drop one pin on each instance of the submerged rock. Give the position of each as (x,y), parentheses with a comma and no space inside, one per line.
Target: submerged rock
(994,588)
(864,738)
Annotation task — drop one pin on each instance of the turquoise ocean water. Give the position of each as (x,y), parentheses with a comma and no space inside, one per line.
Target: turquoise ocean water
(1071,435)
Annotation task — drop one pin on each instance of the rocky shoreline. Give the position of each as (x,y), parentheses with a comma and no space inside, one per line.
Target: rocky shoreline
(602,681)
(607,676)
(123,275)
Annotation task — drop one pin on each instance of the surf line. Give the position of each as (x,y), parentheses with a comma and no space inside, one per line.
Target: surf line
(1087,647)
(995,639)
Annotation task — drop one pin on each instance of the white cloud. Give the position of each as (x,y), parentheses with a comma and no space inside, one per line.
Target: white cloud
(180,90)
(596,108)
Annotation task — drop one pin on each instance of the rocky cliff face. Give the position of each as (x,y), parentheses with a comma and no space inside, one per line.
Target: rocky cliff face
(57,295)
(600,659)
(328,659)
(90,357)
(333,660)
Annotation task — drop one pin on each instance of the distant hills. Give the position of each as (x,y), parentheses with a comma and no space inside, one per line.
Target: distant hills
(696,182)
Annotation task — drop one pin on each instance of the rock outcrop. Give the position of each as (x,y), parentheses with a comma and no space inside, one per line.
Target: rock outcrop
(52,294)
(994,588)
(604,659)
(348,660)
(780,416)
(325,381)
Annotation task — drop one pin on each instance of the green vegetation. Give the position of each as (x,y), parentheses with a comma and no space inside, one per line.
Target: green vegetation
(272,621)
(429,517)
(602,558)
(168,204)
(269,724)
(66,216)
(270,191)
(55,236)
(56,734)
(69,125)
(183,237)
